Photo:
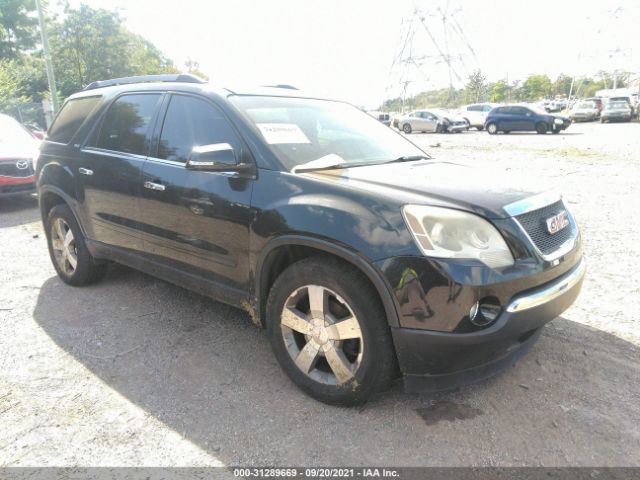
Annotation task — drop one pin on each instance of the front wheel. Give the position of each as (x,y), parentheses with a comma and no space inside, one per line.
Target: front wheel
(542,128)
(329,332)
(406,128)
(68,251)
(492,129)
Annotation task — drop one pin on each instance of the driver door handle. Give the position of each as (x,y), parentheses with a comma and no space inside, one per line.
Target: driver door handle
(154,186)
(85,171)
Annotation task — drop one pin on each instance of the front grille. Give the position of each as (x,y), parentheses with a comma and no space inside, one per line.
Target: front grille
(10,169)
(534,223)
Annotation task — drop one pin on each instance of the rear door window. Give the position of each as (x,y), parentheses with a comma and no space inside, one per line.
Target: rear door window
(68,121)
(126,124)
(191,122)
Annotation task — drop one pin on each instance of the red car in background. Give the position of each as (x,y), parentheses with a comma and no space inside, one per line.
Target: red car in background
(18,150)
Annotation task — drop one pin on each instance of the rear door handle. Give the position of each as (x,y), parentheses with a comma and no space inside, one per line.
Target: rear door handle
(85,171)
(154,186)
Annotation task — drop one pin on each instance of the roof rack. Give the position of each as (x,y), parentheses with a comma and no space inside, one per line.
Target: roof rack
(280,85)
(182,77)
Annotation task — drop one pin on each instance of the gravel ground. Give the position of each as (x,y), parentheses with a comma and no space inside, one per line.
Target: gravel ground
(134,371)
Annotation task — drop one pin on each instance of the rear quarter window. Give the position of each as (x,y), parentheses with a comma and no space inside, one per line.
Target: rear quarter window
(72,115)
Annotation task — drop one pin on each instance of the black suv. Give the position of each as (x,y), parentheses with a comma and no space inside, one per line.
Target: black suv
(363,257)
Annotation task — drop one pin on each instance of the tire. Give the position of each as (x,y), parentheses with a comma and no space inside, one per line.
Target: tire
(542,128)
(602,120)
(555,132)
(492,128)
(361,364)
(439,128)
(480,128)
(406,128)
(68,250)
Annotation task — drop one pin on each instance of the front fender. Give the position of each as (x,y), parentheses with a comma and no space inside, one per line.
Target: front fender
(374,275)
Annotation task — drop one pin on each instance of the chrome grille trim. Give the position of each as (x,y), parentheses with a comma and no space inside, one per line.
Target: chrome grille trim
(561,249)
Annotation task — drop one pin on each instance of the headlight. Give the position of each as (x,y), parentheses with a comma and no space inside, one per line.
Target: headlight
(558,121)
(446,233)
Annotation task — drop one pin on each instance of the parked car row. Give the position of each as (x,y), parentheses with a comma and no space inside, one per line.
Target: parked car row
(492,117)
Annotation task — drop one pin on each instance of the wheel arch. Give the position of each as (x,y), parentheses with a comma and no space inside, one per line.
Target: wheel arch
(285,250)
(49,196)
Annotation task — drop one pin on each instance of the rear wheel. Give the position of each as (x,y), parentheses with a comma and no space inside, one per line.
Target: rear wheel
(328,335)
(439,128)
(406,128)
(479,128)
(492,129)
(542,128)
(68,251)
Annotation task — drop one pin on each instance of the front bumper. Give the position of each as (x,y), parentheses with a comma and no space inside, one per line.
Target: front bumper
(437,360)
(17,185)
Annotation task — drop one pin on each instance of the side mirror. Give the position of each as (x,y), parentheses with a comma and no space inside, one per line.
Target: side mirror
(214,157)
(219,157)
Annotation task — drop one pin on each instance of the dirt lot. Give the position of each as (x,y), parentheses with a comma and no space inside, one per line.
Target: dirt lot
(134,371)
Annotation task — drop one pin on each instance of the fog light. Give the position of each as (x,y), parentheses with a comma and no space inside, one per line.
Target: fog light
(485,312)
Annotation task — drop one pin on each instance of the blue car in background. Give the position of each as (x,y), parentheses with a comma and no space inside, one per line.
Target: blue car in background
(521,118)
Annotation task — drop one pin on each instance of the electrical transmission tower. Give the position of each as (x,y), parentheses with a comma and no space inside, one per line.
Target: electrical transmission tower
(430,39)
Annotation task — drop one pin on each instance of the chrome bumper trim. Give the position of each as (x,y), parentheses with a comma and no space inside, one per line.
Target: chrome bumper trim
(550,292)
(532,203)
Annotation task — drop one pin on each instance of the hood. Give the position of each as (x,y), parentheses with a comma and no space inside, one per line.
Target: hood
(436,183)
(12,151)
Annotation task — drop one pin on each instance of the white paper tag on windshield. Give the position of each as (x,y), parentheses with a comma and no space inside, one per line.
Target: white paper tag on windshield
(275,133)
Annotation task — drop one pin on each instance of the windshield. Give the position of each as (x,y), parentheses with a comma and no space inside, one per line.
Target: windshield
(617,106)
(537,109)
(12,133)
(586,105)
(301,130)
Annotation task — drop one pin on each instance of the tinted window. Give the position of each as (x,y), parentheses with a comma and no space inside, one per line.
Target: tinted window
(125,125)
(519,111)
(475,108)
(503,110)
(70,118)
(190,122)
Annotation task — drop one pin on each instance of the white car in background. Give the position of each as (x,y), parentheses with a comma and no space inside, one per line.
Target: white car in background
(476,113)
(432,120)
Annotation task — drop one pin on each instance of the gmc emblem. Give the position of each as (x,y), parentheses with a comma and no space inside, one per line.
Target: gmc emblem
(557,222)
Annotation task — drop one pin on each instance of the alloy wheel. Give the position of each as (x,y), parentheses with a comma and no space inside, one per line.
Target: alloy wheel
(64,246)
(322,335)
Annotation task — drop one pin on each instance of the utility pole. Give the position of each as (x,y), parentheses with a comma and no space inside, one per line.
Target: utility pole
(47,59)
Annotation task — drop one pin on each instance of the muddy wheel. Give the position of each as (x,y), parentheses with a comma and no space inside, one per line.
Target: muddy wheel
(71,258)
(329,332)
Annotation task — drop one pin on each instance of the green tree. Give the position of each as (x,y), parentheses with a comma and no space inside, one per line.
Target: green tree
(476,88)
(92,44)
(562,85)
(498,91)
(535,87)
(10,92)
(18,32)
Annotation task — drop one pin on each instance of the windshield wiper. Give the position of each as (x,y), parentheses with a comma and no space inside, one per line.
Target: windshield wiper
(409,158)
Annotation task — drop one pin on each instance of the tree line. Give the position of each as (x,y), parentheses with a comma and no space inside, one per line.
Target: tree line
(86,44)
(532,89)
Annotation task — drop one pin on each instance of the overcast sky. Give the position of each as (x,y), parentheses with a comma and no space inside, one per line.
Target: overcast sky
(345,49)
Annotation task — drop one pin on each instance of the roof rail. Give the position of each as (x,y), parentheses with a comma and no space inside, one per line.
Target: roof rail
(280,85)
(181,77)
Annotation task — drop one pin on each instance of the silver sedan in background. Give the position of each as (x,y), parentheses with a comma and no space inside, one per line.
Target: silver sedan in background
(432,120)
